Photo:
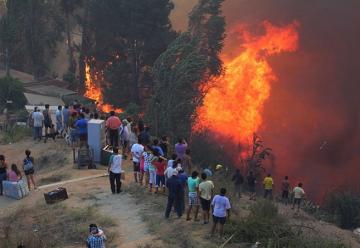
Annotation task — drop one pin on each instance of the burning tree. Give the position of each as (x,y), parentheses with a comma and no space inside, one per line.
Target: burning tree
(258,155)
(122,39)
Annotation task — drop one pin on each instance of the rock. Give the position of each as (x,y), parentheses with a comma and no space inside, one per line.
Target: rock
(357,231)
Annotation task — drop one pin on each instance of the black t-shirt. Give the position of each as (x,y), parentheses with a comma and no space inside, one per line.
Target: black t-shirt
(238,179)
(251,180)
(164,147)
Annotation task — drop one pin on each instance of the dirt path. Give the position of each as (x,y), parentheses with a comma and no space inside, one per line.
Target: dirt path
(122,208)
(85,188)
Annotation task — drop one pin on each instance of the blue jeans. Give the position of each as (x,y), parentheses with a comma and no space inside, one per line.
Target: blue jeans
(3,177)
(37,133)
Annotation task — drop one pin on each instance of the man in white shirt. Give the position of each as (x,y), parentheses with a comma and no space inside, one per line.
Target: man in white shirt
(38,119)
(115,170)
(59,119)
(221,211)
(136,151)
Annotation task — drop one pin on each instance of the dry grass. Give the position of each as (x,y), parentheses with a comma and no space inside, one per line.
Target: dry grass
(173,233)
(51,226)
(52,159)
(54,178)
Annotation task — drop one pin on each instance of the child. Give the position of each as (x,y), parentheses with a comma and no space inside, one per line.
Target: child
(221,211)
(160,165)
(29,168)
(14,175)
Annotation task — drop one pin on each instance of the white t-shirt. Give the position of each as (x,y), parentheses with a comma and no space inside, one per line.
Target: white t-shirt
(220,204)
(298,192)
(116,162)
(169,172)
(136,151)
(38,118)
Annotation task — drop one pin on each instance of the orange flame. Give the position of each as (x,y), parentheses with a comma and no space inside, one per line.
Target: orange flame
(94,92)
(233,107)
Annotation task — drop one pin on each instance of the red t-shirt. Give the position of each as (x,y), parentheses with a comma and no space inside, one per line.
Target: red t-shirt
(160,168)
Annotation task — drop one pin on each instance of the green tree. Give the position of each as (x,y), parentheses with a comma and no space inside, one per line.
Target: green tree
(7,39)
(131,35)
(187,64)
(39,27)
(12,89)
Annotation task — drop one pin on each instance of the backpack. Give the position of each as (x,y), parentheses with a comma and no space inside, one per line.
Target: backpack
(28,164)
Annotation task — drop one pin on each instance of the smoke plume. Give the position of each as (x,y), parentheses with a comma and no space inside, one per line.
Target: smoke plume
(311,120)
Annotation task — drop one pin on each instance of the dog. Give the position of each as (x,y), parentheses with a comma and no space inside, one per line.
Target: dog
(52,135)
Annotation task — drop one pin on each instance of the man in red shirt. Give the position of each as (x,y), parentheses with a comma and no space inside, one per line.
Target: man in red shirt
(113,124)
(160,165)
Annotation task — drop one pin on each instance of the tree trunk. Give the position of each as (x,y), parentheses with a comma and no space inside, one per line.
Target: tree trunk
(72,62)
(84,49)
(135,72)
(7,62)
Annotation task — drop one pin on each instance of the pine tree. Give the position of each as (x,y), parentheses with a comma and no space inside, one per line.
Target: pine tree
(190,61)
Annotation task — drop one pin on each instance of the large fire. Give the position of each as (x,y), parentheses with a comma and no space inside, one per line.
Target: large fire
(233,107)
(93,91)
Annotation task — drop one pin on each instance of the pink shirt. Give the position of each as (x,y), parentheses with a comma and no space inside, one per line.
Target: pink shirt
(113,122)
(12,176)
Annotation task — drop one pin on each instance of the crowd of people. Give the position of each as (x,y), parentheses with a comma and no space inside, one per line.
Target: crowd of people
(288,194)
(156,169)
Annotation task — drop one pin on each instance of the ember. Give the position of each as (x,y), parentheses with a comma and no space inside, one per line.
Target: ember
(233,107)
(93,91)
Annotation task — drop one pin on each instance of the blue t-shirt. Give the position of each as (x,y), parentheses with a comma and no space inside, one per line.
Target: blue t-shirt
(220,205)
(81,126)
(183,178)
(159,150)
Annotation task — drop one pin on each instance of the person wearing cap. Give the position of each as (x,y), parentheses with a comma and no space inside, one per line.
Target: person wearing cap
(174,198)
(96,238)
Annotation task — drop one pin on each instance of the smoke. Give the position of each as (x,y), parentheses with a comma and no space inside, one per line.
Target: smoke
(311,119)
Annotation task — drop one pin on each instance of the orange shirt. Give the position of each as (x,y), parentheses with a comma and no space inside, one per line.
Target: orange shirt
(113,122)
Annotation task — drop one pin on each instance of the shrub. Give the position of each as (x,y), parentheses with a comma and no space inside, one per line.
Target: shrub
(266,226)
(72,80)
(345,207)
(15,134)
(12,89)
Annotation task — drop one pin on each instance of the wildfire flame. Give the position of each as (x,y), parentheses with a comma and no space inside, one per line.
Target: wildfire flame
(233,107)
(94,92)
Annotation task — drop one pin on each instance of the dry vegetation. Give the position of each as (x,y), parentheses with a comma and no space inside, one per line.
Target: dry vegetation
(51,226)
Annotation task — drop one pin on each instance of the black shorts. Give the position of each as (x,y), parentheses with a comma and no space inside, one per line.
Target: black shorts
(252,188)
(136,167)
(220,220)
(83,137)
(285,194)
(29,172)
(205,204)
(297,201)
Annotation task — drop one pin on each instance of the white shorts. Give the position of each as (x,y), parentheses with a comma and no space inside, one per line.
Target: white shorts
(152,177)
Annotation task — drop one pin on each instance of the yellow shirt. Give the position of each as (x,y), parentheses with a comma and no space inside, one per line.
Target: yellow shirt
(268,183)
